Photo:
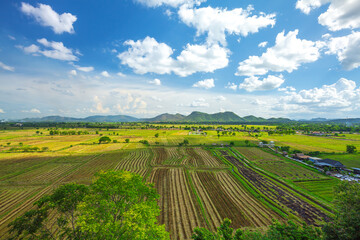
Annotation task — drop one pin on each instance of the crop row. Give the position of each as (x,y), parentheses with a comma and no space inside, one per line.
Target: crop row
(278,192)
(180,211)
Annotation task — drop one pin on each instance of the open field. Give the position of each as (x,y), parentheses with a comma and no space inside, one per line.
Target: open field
(315,143)
(198,185)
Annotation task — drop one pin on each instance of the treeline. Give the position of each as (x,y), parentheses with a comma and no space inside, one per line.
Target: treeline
(320,127)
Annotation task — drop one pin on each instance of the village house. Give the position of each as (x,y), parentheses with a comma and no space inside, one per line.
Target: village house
(329,163)
(301,156)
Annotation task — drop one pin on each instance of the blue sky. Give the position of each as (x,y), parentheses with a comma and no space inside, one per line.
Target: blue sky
(296,59)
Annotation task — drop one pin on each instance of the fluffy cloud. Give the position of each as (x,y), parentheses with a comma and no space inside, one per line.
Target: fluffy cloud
(73,72)
(307,5)
(145,56)
(253,83)
(232,86)
(341,14)
(31,49)
(85,69)
(55,50)
(172,3)
(347,49)
(217,22)
(201,58)
(287,89)
(342,95)
(2,111)
(262,44)
(207,84)
(148,56)
(288,54)
(99,106)
(47,17)
(199,103)
(6,67)
(34,110)
(105,74)
(120,74)
(220,98)
(131,103)
(156,82)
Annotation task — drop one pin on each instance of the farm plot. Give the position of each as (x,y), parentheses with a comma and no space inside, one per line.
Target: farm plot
(180,211)
(223,197)
(160,156)
(137,161)
(322,188)
(277,165)
(279,193)
(94,164)
(176,155)
(209,159)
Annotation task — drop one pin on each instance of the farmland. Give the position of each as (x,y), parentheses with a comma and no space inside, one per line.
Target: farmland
(199,184)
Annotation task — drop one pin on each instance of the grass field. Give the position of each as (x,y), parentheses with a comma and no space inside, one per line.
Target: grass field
(199,185)
(315,143)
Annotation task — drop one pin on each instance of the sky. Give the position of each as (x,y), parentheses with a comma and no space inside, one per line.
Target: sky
(298,59)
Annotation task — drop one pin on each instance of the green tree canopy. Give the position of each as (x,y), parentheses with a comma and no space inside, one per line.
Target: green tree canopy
(346,224)
(117,205)
(350,149)
(104,139)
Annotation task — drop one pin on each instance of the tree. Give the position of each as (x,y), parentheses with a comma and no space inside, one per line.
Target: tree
(224,232)
(247,142)
(350,149)
(117,205)
(346,223)
(156,135)
(64,200)
(186,142)
(121,204)
(104,139)
(232,143)
(127,140)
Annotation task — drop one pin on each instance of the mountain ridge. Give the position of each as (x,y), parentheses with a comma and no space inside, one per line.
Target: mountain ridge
(194,117)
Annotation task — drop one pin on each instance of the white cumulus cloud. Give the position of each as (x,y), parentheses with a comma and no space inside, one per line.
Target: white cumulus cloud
(73,72)
(288,54)
(206,84)
(220,98)
(2,111)
(263,44)
(347,49)
(156,82)
(217,22)
(171,3)
(47,17)
(342,95)
(105,74)
(201,102)
(33,110)
(149,56)
(232,86)
(98,107)
(341,14)
(85,69)
(253,83)
(6,67)
(51,49)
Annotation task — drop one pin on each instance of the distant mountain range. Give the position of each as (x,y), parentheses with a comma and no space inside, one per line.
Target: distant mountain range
(194,117)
